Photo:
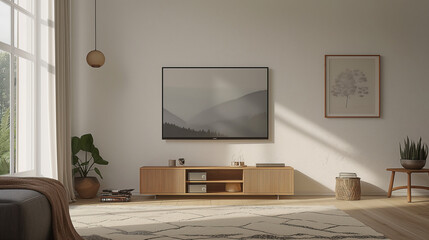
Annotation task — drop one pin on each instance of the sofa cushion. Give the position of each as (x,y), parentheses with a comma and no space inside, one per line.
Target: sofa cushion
(24,214)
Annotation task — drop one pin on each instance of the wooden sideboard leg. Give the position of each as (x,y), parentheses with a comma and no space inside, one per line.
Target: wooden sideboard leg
(392,178)
(278,197)
(154,197)
(409,187)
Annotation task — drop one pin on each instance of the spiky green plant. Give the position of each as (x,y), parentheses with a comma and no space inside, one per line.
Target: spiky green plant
(413,151)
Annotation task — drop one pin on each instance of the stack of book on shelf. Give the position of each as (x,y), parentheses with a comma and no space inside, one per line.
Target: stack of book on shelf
(348,175)
(108,195)
(270,164)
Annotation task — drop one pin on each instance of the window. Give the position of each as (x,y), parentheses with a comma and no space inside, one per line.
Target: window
(26,74)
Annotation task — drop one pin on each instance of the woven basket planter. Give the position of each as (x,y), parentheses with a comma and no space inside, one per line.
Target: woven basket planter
(347,189)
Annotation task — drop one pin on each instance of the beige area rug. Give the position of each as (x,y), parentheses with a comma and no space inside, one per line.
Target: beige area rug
(112,221)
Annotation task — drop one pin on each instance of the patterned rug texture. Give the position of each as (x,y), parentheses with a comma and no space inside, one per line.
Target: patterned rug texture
(123,222)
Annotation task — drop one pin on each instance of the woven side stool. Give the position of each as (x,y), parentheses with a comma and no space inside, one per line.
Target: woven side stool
(347,189)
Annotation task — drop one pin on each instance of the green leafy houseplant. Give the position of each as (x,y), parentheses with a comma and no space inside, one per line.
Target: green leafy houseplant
(413,151)
(89,158)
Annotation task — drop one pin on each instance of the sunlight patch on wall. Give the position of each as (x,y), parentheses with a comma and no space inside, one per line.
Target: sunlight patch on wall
(310,149)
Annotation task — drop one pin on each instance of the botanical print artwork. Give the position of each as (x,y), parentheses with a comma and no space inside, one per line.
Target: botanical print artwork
(352,86)
(350,83)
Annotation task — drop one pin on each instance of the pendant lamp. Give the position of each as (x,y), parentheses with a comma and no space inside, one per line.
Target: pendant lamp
(95,58)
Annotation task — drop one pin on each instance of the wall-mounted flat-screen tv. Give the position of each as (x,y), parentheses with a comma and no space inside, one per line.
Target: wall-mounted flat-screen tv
(215,103)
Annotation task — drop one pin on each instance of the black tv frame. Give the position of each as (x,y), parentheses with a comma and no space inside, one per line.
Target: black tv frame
(216,138)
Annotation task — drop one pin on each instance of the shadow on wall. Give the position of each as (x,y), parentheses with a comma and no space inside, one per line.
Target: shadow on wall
(308,186)
(371,189)
(308,130)
(333,146)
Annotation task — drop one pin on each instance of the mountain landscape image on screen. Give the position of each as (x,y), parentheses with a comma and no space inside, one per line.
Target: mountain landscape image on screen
(243,117)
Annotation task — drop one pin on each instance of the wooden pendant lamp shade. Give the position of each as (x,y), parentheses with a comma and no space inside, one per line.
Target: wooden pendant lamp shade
(95,58)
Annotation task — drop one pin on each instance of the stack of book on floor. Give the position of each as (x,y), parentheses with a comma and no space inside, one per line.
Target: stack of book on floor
(270,164)
(348,175)
(108,195)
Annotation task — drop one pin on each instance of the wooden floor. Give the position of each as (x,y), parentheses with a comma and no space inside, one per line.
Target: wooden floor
(393,217)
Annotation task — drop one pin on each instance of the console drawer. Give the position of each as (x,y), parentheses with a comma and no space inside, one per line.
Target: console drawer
(197,188)
(197,176)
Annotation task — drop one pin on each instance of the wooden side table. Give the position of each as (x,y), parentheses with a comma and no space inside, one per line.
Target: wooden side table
(409,186)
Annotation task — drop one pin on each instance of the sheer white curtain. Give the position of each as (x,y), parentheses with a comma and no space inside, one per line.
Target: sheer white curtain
(53,118)
(46,146)
(35,91)
(62,67)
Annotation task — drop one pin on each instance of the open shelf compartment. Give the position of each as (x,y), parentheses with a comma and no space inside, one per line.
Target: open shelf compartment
(217,179)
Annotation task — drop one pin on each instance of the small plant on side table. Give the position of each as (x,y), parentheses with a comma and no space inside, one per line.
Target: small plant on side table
(413,155)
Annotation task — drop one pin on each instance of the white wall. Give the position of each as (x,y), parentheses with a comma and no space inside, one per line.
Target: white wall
(120,103)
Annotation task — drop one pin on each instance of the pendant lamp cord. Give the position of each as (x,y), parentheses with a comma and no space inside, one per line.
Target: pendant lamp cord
(95,23)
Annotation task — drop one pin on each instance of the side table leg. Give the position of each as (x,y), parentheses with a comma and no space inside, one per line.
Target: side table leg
(409,187)
(392,178)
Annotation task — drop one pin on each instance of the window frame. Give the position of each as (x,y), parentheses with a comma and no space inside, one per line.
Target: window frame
(15,54)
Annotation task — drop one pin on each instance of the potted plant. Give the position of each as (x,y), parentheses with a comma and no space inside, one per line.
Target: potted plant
(413,155)
(84,156)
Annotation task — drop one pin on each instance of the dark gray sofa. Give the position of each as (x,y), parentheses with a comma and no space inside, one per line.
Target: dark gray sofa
(24,215)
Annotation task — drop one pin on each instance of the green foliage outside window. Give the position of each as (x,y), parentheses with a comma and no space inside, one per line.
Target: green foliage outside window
(4,112)
(5,143)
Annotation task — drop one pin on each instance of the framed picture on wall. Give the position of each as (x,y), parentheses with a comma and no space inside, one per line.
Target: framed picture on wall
(215,103)
(352,86)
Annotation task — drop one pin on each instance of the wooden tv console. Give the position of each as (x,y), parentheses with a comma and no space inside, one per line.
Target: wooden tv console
(253,180)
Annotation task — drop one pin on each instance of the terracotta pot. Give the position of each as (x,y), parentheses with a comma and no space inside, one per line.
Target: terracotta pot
(86,187)
(413,164)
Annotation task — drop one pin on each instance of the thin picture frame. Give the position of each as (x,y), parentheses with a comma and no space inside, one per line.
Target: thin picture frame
(265,84)
(352,86)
